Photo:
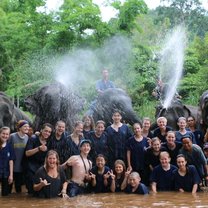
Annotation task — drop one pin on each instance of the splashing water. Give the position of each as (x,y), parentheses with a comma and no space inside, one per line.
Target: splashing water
(171,63)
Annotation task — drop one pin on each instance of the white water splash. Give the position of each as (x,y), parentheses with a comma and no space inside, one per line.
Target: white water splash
(171,63)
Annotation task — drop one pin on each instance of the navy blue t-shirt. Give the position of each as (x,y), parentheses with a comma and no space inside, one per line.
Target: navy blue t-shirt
(142,189)
(137,150)
(163,178)
(187,181)
(100,187)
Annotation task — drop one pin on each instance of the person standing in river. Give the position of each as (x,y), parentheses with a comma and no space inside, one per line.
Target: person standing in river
(18,141)
(118,134)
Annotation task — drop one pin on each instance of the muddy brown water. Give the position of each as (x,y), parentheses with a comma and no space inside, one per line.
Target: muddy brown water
(111,200)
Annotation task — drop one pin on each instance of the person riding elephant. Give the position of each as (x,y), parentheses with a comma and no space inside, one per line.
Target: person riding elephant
(108,101)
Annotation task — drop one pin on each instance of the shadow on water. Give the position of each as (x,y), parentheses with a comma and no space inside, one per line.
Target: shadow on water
(162,199)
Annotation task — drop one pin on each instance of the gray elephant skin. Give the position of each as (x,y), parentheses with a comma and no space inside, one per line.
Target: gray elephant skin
(108,101)
(10,114)
(176,110)
(203,110)
(52,103)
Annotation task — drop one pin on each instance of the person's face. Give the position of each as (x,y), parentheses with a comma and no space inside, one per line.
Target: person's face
(170,138)
(156,146)
(4,135)
(100,162)
(60,128)
(46,132)
(24,129)
(191,122)
(87,122)
(137,129)
(181,162)
(119,168)
(116,117)
(99,128)
(162,123)
(134,181)
(85,148)
(146,125)
(79,129)
(105,74)
(52,161)
(182,124)
(187,144)
(164,160)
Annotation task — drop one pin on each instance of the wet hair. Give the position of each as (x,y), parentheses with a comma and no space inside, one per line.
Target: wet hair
(77,123)
(120,162)
(116,111)
(100,155)
(137,124)
(100,122)
(170,132)
(46,125)
(191,117)
(60,121)
(92,123)
(183,156)
(49,153)
(165,153)
(162,117)
(1,130)
(181,119)
(134,174)
(154,139)
(146,119)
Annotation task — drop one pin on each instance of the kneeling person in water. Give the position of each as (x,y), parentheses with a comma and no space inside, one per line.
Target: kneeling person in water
(135,186)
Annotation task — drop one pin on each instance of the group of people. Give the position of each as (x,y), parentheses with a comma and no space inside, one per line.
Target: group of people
(95,158)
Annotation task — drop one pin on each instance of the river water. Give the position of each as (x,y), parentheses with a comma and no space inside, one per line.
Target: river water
(111,200)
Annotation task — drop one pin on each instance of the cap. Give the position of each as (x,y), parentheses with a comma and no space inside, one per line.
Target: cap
(21,123)
(83,141)
(205,146)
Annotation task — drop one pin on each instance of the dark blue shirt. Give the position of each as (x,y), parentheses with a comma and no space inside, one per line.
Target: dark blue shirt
(163,178)
(142,189)
(116,143)
(187,181)
(137,152)
(98,145)
(6,154)
(104,85)
(100,187)
(35,161)
(157,133)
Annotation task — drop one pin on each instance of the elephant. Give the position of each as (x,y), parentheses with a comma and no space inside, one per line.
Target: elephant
(54,102)
(176,110)
(203,110)
(108,101)
(9,113)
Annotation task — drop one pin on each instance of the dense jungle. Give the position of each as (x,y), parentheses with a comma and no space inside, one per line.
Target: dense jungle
(73,44)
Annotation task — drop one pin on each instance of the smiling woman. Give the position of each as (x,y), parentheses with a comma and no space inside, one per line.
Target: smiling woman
(50,180)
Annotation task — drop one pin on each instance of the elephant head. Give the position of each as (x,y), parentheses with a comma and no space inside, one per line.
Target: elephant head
(9,113)
(172,113)
(203,106)
(53,102)
(111,99)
